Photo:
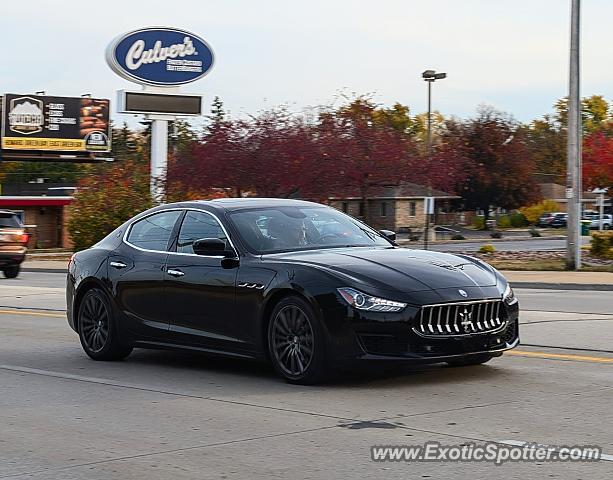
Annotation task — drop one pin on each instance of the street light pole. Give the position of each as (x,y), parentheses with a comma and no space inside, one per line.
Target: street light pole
(573,160)
(430,76)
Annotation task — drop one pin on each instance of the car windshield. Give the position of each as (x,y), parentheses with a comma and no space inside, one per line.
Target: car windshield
(282,229)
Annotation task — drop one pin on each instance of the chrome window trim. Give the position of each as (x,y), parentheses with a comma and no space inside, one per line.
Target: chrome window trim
(179,209)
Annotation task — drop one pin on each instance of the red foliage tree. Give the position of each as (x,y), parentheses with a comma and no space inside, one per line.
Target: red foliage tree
(598,161)
(497,166)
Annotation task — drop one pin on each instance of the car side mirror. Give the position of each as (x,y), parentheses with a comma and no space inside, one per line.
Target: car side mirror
(388,234)
(212,247)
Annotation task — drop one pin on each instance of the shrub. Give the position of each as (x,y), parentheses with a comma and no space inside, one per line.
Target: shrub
(487,248)
(105,200)
(601,244)
(479,223)
(533,212)
(504,221)
(496,234)
(518,220)
(534,232)
(457,236)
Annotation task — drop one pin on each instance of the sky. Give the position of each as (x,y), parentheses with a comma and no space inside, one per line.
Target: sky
(512,55)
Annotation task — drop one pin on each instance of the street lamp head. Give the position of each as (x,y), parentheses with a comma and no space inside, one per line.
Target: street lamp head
(431,75)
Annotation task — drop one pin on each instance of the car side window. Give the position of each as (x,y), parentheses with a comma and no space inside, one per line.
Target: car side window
(195,226)
(153,232)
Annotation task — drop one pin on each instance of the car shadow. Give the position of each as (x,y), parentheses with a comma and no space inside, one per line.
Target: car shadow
(361,374)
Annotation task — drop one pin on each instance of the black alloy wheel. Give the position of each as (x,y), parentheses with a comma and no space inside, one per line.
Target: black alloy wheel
(97,330)
(296,342)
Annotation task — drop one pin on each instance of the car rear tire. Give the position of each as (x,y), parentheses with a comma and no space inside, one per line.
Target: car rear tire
(470,360)
(11,272)
(296,342)
(97,329)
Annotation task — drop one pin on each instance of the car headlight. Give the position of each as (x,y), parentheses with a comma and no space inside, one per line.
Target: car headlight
(364,301)
(509,296)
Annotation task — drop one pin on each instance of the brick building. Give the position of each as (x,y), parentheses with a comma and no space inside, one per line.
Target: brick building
(397,207)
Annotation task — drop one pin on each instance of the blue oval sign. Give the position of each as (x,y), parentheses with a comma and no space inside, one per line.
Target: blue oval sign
(160,56)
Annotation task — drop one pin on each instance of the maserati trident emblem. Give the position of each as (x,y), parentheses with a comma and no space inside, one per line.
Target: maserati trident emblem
(463,293)
(467,322)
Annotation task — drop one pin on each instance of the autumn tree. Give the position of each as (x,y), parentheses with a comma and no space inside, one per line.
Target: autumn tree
(107,198)
(598,161)
(498,164)
(366,147)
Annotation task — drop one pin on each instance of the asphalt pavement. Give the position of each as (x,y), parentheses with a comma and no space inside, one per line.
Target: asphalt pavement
(161,415)
(505,245)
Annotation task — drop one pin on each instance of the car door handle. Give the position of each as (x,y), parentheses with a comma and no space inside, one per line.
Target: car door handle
(175,273)
(117,264)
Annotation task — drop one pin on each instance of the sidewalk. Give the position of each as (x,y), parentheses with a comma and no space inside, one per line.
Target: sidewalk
(602,281)
(562,280)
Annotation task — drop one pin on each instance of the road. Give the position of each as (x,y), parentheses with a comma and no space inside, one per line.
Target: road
(161,415)
(536,244)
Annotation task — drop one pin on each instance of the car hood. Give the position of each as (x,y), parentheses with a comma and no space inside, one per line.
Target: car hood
(397,268)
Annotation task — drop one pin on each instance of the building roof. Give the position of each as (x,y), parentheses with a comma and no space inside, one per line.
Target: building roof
(403,190)
(34,201)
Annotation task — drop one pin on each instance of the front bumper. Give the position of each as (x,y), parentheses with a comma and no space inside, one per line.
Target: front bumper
(430,350)
(392,337)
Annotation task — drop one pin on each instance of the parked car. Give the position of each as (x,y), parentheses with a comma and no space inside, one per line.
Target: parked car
(545,219)
(607,221)
(559,220)
(298,284)
(13,241)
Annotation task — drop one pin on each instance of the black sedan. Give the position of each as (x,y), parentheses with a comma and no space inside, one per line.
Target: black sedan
(296,283)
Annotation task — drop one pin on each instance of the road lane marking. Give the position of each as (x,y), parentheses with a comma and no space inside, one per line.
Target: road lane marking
(560,356)
(32,313)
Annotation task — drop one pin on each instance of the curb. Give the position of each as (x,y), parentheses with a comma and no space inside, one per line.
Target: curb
(601,287)
(403,241)
(44,270)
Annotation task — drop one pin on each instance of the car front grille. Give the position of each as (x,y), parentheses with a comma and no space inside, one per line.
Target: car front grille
(462,318)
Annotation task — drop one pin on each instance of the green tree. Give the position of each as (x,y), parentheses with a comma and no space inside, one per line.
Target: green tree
(547,146)
(595,113)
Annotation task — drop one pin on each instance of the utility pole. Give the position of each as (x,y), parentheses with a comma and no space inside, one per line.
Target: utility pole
(573,160)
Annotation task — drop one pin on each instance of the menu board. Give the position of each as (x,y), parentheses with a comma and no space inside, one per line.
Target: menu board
(69,124)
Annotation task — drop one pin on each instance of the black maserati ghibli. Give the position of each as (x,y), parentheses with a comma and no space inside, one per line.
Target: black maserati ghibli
(296,283)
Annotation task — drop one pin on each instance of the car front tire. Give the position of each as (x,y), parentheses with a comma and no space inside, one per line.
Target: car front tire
(11,272)
(477,359)
(98,333)
(296,342)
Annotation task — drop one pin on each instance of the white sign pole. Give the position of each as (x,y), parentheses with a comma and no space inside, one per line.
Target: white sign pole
(159,147)
(159,159)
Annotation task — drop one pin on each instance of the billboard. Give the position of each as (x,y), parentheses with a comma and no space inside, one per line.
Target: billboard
(63,124)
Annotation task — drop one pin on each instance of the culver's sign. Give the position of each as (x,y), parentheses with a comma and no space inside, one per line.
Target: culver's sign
(160,56)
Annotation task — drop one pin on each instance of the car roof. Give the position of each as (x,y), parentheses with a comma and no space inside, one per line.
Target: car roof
(232,204)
